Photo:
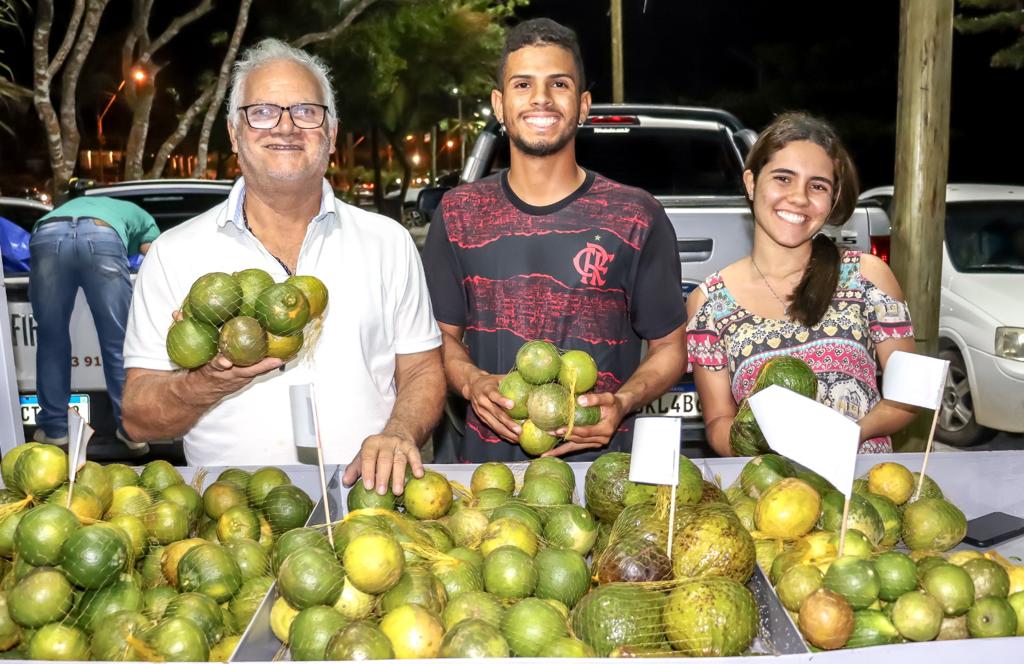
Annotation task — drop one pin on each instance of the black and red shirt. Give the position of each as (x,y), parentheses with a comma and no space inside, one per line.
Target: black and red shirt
(597,271)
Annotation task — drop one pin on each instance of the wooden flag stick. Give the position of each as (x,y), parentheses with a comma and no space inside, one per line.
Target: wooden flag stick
(927,452)
(671,521)
(842,530)
(320,466)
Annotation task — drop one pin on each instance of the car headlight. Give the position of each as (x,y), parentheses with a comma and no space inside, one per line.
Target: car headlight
(1010,342)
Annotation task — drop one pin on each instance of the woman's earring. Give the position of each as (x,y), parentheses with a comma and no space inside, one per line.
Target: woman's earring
(501,127)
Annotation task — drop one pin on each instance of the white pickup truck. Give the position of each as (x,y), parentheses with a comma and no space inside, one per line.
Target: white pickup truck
(691,160)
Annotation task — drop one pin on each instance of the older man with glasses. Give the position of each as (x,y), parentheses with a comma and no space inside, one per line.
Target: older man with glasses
(376,364)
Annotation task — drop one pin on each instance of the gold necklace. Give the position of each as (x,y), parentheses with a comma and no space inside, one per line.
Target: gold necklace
(785,306)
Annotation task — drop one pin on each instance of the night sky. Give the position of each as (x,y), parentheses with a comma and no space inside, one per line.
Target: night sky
(755,59)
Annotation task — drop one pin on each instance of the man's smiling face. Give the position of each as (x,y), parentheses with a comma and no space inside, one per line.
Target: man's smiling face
(284,153)
(540,103)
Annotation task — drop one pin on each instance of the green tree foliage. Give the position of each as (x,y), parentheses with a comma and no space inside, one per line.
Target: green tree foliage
(395,70)
(996,16)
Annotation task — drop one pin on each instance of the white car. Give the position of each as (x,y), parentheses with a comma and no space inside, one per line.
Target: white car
(981,320)
(170,202)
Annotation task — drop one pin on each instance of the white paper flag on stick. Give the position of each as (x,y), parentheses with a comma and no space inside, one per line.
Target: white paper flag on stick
(914,379)
(79,434)
(809,433)
(655,459)
(303,425)
(655,456)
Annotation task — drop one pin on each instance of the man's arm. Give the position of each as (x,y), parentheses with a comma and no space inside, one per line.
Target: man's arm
(661,369)
(419,380)
(158,405)
(477,386)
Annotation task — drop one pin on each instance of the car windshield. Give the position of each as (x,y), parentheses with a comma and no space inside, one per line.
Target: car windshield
(986,236)
(171,208)
(664,162)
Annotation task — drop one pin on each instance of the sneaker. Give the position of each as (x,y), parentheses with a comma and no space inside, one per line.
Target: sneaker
(140,448)
(40,437)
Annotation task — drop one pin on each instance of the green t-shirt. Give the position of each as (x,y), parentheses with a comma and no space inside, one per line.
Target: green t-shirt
(132,223)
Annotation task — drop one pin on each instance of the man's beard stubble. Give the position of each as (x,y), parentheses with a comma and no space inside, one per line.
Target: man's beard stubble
(542,149)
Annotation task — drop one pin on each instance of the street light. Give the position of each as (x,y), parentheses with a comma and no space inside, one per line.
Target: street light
(138,76)
(462,130)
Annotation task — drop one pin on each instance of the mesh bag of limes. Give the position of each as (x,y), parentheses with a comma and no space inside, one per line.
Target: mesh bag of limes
(897,580)
(510,566)
(246,317)
(544,386)
(136,566)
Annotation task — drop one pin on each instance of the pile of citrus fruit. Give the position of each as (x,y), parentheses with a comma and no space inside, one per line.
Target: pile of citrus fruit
(543,388)
(246,317)
(138,565)
(874,594)
(500,568)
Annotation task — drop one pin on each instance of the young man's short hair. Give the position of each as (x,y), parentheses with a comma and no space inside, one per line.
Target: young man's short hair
(542,32)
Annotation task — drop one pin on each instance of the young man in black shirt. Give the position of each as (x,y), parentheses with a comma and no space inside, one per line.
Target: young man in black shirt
(548,250)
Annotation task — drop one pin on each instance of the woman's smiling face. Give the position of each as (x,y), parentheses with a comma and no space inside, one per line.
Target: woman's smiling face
(793,194)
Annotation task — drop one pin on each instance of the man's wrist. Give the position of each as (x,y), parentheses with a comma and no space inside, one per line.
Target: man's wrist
(470,376)
(401,434)
(195,390)
(627,402)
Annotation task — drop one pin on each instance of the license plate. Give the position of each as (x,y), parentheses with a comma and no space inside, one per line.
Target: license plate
(677,404)
(30,407)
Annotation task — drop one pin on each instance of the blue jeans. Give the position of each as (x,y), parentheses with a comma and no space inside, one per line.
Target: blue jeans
(66,256)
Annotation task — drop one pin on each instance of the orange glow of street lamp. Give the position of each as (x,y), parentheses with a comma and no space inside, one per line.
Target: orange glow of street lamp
(450,143)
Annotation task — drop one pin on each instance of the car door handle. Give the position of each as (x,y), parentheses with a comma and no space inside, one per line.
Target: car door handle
(695,250)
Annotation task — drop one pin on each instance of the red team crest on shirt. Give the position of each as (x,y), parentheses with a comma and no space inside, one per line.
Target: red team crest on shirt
(592,264)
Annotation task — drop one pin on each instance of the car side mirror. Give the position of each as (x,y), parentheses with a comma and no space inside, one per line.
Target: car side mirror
(429,199)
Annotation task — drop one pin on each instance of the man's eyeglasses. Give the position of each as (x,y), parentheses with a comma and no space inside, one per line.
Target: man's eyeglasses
(268,116)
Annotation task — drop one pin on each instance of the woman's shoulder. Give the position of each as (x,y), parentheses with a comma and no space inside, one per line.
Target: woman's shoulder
(871,271)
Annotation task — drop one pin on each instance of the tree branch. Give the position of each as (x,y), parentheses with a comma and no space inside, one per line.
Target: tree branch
(69,80)
(41,80)
(69,39)
(222,84)
(175,27)
(350,17)
(184,124)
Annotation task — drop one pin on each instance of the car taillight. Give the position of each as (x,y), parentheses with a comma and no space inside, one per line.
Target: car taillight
(613,120)
(880,246)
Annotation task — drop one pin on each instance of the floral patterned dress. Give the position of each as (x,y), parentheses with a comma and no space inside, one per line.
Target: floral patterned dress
(840,348)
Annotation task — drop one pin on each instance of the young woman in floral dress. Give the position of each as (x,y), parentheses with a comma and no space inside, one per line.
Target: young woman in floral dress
(796,294)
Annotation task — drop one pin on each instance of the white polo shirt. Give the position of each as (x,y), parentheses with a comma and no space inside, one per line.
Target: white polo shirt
(378,308)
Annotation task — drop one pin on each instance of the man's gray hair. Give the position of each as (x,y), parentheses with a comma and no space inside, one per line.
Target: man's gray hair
(272,50)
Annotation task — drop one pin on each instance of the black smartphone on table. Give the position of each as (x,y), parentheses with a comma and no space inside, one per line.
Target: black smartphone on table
(993,528)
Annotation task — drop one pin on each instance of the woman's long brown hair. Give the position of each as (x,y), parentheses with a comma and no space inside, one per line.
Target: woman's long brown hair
(814,293)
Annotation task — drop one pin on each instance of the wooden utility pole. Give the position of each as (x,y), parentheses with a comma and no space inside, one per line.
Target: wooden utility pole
(922,160)
(617,76)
